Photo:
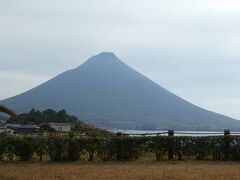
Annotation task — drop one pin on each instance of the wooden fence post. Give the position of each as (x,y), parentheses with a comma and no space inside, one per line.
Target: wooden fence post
(170,144)
(227,141)
(119,146)
(226,132)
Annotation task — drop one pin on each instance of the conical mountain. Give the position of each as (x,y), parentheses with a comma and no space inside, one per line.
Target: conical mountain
(106,92)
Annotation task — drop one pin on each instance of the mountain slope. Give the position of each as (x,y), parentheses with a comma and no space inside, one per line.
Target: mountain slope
(106,92)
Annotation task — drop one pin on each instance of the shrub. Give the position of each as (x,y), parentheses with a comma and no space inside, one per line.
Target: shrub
(201,147)
(181,146)
(22,147)
(2,146)
(107,149)
(215,147)
(129,147)
(158,145)
(91,145)
(227,140)
(74,149)
(55,148)
(39,146)
(9,151)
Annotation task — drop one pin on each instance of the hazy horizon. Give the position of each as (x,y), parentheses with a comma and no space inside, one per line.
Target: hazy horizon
(189,48)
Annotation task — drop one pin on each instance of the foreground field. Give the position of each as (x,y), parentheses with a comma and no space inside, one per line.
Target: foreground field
(123,170)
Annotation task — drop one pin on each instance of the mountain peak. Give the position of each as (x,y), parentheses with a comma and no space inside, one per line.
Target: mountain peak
(104,56)
(107,59)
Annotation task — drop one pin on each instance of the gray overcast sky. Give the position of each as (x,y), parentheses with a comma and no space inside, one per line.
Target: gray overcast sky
(189,47)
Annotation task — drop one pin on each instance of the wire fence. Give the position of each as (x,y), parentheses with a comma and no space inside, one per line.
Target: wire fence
(183,133)
(160,133)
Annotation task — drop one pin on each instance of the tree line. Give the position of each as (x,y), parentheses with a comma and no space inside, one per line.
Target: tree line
(40,117)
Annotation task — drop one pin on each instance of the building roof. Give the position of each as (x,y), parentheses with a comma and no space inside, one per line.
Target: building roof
(22,126)
(30,126)
(13,125)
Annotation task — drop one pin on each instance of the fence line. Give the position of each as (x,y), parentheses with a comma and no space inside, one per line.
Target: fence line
(167,133)
(172,133)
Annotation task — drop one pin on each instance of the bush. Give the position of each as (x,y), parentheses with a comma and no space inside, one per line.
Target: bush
(9,151)
(227,141)
(39,146)
(2,146)
(158,145)
(181,146)
(216,147)
(22,147)
(91,145)
(201,147)
(132,147)
(107,149)
(235,149)
(55,148)
(74,149)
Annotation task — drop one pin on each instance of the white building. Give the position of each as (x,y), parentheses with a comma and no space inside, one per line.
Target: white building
(61,127)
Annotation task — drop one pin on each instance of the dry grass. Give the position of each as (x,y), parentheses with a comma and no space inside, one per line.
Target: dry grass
(124,170)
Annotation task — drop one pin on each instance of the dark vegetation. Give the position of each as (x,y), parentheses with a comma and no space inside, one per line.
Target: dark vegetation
(47,116)
(119,148)
(43,118)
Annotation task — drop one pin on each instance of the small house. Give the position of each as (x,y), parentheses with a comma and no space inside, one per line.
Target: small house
(61,127)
